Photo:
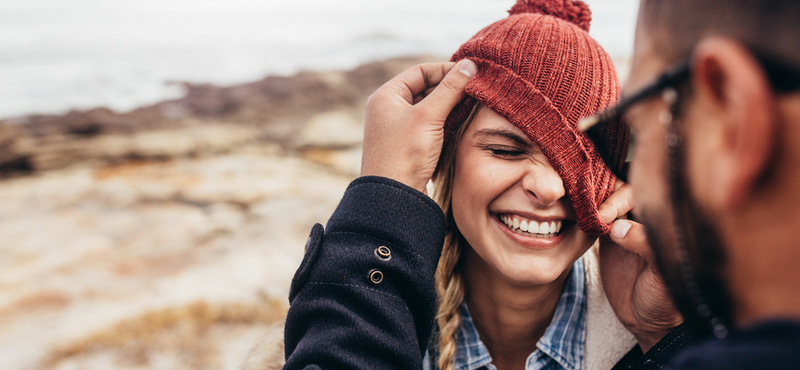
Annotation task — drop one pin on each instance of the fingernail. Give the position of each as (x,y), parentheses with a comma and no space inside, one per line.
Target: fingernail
(468,68)
(620,229)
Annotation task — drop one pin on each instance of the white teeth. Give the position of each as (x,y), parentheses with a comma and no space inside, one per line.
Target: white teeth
(544,228)
(531,227)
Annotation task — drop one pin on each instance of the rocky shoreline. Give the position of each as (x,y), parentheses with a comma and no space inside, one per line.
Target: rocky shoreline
(166,237)
(208,119)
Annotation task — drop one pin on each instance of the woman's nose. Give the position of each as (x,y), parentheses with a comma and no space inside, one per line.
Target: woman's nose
(544,185)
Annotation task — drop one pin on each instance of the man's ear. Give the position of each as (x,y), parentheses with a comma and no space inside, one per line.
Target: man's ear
(736,135)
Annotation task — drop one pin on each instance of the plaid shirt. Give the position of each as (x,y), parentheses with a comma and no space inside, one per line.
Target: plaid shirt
(561,347)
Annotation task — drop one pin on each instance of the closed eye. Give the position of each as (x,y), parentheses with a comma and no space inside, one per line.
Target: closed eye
(504,143)
(506,152)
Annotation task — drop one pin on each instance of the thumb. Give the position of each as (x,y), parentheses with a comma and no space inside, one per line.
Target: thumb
(451,90)
(617,205)
(632,237)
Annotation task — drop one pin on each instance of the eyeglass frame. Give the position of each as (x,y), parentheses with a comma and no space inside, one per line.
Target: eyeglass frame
(782,77)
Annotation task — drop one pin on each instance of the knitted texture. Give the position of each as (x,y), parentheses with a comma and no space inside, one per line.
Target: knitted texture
(539,69)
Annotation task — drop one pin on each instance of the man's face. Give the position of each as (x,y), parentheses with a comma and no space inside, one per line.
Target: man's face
(653,184)
(648,174)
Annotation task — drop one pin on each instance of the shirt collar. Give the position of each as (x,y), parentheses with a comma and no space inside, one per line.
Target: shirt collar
(563,341)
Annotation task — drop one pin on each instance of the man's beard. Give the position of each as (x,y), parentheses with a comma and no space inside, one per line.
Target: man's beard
(701,282)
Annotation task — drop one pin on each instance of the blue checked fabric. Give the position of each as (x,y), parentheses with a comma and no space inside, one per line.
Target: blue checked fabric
(561,347)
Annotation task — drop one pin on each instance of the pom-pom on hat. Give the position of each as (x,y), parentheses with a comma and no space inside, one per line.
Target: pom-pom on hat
(539,69)
(576,12)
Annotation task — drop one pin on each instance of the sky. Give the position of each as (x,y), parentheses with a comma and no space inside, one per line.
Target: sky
(59,55)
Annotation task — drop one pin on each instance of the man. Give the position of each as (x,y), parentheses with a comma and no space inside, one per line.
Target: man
(716,170)
(714,176)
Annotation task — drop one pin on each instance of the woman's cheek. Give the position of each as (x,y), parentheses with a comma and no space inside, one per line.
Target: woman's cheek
(500,172)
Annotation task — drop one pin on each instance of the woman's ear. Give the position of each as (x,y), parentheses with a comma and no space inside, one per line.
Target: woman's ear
(731,125)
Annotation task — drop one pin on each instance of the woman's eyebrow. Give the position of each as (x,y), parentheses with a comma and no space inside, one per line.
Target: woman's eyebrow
(519,140)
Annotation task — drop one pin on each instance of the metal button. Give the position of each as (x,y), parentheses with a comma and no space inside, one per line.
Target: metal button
(375,276)
(383,252)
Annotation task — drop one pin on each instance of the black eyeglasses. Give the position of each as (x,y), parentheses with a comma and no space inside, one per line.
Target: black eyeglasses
(783,77)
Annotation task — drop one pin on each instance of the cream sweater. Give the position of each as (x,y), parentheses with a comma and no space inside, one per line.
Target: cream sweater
(607,340)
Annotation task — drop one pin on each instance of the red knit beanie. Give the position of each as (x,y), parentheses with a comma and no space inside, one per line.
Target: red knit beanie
(539,69)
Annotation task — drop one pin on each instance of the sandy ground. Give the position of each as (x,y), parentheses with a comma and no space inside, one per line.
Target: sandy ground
(146,241)
(84,249)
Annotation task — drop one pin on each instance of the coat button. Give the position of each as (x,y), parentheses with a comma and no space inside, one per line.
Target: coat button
(375,276)
(383,252)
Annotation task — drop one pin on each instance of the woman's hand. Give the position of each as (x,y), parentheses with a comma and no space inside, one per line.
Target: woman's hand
(632,283)
(404,128)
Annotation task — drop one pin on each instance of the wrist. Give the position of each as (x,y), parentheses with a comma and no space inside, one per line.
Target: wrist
(414,182)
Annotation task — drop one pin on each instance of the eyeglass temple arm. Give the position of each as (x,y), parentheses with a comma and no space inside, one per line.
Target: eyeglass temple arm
(590,127)
(668,79)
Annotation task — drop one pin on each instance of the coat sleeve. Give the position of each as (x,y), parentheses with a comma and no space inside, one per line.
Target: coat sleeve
(364,295)
(661,355)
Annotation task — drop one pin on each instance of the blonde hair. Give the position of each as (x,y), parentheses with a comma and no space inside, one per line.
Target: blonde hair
(449,275)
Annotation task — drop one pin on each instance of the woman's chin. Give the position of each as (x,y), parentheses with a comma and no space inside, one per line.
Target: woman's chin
(531,273)
(527,267)
(528,261)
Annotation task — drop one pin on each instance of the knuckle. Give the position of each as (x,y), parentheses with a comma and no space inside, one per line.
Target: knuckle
(626,203)
(376,97)
(371,99)
(450,84)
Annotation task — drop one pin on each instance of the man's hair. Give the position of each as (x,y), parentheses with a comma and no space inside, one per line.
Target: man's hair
(771,27)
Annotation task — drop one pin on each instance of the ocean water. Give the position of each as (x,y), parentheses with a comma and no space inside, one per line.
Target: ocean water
(57,55)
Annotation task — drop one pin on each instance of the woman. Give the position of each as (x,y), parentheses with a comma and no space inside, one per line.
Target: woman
(520,187)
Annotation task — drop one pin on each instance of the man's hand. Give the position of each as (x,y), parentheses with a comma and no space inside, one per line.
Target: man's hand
(633,285)
(404,128)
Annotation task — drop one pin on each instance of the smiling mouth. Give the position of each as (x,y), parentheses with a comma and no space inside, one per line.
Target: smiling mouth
(534,229)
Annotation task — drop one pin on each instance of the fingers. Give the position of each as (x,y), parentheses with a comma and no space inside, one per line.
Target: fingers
(415,80)
(618,184)
(617,205)
(450,90)
(632,237)
(429,90)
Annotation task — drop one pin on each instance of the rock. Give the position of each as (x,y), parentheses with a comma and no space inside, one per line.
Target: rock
(148,239)
(59,151)
(335,129)
(323,109)
(108,244)
(268,353)
(347,161)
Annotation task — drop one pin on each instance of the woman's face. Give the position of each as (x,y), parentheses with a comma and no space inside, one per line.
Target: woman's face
(510,204)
